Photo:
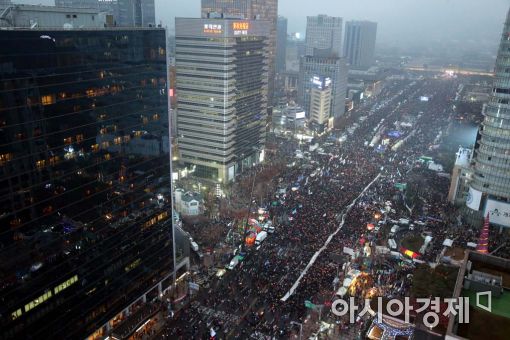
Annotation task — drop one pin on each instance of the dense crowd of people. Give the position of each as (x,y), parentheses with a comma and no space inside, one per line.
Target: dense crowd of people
(330,197)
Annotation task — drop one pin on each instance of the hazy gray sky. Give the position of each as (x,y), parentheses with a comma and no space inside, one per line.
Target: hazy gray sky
(400,21)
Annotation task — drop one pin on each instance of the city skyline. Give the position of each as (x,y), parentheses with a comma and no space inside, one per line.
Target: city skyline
(421,20)
(222,179)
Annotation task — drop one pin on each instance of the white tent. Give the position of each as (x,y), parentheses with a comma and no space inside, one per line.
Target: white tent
(447,242)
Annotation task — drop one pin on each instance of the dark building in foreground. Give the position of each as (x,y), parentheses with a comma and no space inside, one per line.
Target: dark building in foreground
(86,227)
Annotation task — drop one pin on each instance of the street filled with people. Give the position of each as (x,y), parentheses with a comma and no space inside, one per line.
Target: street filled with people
(334,211)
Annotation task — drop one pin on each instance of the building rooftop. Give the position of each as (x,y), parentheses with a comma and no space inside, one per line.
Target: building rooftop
(483,273)
(41,8)
(190,196)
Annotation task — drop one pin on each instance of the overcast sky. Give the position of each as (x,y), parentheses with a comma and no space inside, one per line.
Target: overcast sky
(400,21)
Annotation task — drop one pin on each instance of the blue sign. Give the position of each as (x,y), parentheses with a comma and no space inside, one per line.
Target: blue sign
(394,134)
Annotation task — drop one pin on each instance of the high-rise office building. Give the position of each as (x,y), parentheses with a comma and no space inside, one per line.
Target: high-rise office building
(85,180)
(126,13)
(320,103)
(323,35)
(489,192)
(281,45)
(323,59)
(323,67)
(359,43)
(266,10)
(138,13)
(221,73)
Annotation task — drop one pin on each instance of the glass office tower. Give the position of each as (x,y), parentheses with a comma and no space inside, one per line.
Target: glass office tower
(490,188)
(85,218)
(281,45)
(359,43)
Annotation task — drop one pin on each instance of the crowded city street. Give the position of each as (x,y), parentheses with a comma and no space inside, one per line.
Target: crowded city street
(333,213)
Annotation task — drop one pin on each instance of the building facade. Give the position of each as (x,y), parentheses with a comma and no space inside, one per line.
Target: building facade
(266,10)
(87,226)
(490,188)
(281,45)
(462,174)
(221,83)
(323,35)
(288,119)
(320,103)
(126,13)
(333,68)
(359,43)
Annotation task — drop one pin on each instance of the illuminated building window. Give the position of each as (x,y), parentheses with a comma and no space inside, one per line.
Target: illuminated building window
(154,82)
(105,144)
(34,303)
(133,265)
(79,138)
(40,164)
(4,158)
(117,140)
(62,95)
(127,138)
(103,131)
(107,157)
(162,216)
(145,120)
(53,160)
(95,147)
(155,116)
(68,140)
(91,93)
(102,116)
(65,284)
(16,314)
(48,99)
